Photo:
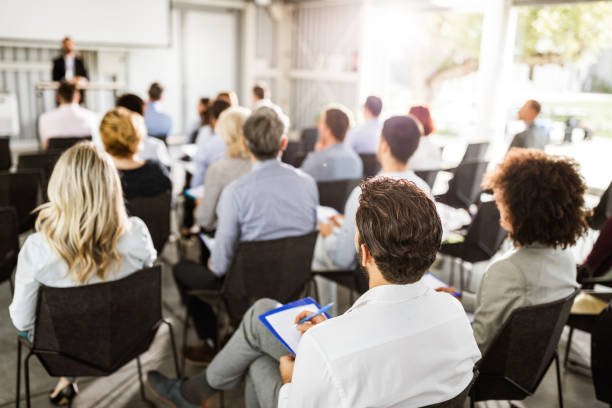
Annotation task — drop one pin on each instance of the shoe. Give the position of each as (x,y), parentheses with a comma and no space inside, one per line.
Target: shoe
(65,396)
(199,355)
(168,390)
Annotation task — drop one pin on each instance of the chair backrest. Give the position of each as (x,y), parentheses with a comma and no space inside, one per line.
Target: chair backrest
(64,143)
(475,152)
(309,138)
(23,191)
(9,242)
(428,176)
(93,330)
(485,230)
(155,212)
(371,166)
(334,193)
(522,351)
(603,210)
(5,153)
(601,355)
(293,154)
(277,269)
(465,184)
(44,161)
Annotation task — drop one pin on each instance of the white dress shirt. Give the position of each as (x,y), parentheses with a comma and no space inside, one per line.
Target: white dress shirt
(39,264)
(69,67)
(68,120)
(398,346)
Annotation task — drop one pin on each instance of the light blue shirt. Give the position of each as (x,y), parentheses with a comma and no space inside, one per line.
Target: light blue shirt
(158,122)
(336,162)
(340,245)
(364,138)
(272,201)
(207,153)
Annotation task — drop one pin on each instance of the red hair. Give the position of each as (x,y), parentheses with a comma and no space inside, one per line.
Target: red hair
(422,114)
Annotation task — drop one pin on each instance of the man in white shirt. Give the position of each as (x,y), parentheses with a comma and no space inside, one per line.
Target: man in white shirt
(261,97)
(399,140)
(400,345)
(68,119)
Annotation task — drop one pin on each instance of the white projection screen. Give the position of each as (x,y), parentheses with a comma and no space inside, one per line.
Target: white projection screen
(129,23)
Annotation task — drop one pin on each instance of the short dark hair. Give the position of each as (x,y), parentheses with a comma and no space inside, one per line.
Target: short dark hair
(422,113)
(542,195)
(156,91)
(259,91)
(374,105)
(402,134)
(535,105)
(132,102)
(263,132)
(66,91)
(338,122)
(400,226)
(218,106)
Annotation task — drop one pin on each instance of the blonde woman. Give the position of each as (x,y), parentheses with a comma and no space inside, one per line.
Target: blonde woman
(122,133)
(232,166)
(83,236)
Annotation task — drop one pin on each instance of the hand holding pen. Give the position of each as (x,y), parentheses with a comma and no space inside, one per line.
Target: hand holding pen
(306,319)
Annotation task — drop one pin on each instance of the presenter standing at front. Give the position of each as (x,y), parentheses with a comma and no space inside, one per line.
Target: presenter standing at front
(70,66)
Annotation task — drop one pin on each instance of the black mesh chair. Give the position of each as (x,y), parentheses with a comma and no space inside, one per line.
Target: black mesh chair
(23,191)
(522,351)
(428,176)
(602,211)
(9,244)
(475,152)
(464,188)
(155,212)
(601,355)
(293,154)
(334,193)
(44,161)
(371,166)
(309,139)
(483,239)
(5,154)
(65,143)
(93,330)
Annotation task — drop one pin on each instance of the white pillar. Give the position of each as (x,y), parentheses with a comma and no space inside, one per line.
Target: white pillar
(283,60)
(496,54)
(247,76)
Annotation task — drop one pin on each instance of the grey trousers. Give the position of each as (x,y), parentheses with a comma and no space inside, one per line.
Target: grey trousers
(252,351)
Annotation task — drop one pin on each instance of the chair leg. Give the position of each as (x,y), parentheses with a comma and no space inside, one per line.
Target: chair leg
(174,352)
(27,379)
(18,389)
(313,282)
(568,347)
(472,402)
(221,399)
(185,328)
(451,272)
(142,391)
(559,385)
(461,276)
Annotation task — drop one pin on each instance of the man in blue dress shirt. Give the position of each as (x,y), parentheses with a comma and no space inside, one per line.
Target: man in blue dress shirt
(158,122)
(332,159)
(363,139)
(273,201)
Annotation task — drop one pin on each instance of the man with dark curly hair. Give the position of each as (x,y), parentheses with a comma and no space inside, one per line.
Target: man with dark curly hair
(400,344)
(541,202)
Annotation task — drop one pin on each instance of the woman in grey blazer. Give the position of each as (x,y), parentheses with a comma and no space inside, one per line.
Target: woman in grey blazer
(541,203)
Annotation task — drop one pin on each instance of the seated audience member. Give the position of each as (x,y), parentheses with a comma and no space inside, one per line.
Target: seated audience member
(84,236)
(261,97)
(158,122)
(203,119)
(540,199)
(210,147)
(234,164)
(428,156)
(399,139)
(369,356)
(364,138)
(599,261)
(122,132)
(273,201)
(152,148)
(332,159)
(68,119)
(533,136)
(229,97)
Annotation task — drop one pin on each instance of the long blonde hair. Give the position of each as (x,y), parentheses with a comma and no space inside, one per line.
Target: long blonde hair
(85,215)
(229,128)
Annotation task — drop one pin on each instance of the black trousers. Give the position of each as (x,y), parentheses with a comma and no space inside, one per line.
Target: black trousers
(192,276)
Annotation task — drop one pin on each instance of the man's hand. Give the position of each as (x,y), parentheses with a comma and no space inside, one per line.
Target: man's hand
(286,368)
(337,219)
(326,229)
(303,328)
(449,289)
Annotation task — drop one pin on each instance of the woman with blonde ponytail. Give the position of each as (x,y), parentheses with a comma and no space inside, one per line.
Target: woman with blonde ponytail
(83,236)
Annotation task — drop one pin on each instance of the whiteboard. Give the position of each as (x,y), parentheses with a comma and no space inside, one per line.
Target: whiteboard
(143,23)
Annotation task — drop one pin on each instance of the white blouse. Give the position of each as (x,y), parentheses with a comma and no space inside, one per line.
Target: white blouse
(38,264)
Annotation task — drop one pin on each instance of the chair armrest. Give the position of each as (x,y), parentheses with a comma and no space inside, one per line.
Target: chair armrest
(602,280)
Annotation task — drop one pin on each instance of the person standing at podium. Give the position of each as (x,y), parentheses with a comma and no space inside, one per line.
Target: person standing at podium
(69,66)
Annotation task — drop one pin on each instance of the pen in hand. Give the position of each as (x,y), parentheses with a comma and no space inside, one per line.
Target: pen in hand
(322,310)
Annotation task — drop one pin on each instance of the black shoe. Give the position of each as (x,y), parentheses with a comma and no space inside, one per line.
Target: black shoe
(168,390)
(65,396)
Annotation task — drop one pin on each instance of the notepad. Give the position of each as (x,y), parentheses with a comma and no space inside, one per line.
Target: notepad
(208,241)
(324,213)
(430,280)
(195,192)
(281,321)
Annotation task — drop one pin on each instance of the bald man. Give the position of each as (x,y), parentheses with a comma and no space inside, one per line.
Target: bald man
(533,136)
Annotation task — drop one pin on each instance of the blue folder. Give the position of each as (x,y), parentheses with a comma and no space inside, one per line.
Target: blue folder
(291,305)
